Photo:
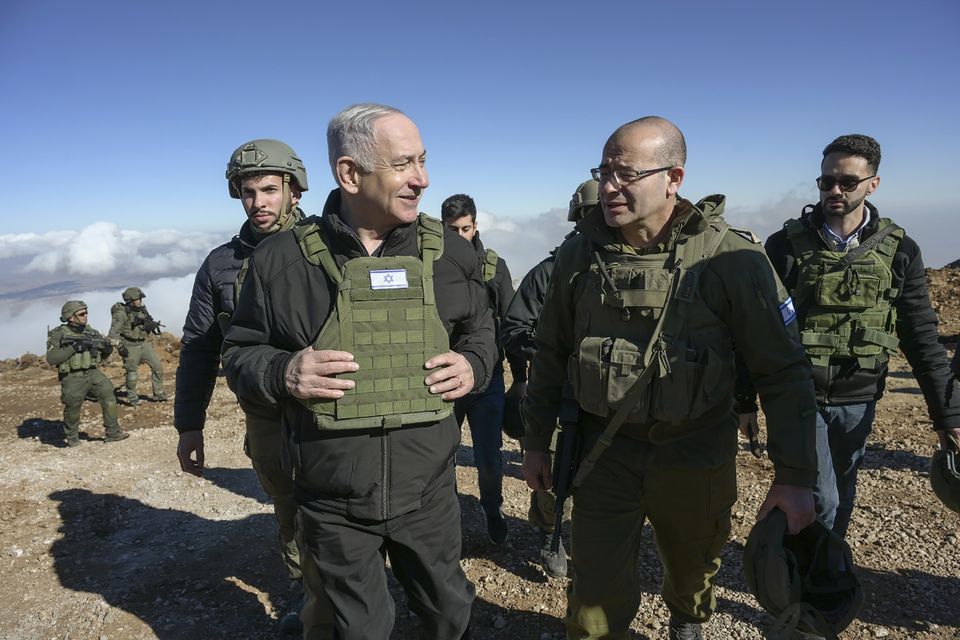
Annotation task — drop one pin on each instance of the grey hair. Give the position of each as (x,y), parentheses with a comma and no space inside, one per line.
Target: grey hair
(351,133)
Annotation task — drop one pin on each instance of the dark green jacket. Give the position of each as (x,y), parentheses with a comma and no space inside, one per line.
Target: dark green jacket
(738,286)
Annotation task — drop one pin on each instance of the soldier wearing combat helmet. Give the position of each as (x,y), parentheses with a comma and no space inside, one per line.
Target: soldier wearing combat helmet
(268,178)
(130,325)
(77,350)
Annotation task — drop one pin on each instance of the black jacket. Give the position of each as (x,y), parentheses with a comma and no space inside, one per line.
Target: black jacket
(371,474)
(213,293)
(843,382)
(518,327)
(500,293)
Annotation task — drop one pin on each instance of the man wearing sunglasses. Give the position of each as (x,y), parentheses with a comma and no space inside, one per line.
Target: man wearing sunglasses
(859,289)
(643,310)
(76,350)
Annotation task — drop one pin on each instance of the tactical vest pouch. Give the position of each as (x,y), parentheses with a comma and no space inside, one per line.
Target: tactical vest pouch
(696,381)
(848,289)
(602,373)
(386,316)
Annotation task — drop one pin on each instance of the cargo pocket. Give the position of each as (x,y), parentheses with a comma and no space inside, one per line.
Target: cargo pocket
(697,381)
(587,373)
(847,289)
(602,374)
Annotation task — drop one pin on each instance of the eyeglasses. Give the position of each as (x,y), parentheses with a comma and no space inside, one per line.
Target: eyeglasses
(847,183)
(624,176)
(80,314)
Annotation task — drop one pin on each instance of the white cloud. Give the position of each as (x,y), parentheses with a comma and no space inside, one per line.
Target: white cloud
(103,249)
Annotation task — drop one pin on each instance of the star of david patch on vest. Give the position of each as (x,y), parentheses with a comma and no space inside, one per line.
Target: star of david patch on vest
(787,311)
(388,279)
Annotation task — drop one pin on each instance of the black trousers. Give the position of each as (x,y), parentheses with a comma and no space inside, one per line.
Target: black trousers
(423,547)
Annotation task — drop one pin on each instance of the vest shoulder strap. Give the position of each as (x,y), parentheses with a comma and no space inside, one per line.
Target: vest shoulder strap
(490,259)
(316,251)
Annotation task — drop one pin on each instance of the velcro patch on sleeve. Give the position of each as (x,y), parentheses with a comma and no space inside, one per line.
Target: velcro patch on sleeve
(787,312)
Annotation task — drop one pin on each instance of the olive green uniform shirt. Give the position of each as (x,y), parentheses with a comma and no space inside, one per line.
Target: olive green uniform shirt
(739,287)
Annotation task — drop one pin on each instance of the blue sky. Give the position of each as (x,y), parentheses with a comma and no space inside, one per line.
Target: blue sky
(124,113)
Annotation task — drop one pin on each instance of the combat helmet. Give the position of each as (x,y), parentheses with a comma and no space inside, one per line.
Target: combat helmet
(945,474)
(264,155)
(806,580)
(586,196)
(133,293)
(70,307)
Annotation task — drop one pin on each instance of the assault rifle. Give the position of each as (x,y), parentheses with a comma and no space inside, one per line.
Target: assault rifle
(565,460)
(149,324)
(84,343)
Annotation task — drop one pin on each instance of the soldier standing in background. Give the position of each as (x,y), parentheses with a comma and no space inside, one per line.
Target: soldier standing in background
(484,411)
(860,291)
(518,330)
(268,178)
(77,350)
(130,325)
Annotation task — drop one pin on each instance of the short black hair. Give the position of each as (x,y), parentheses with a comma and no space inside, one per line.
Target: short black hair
(856,144)
(457,206)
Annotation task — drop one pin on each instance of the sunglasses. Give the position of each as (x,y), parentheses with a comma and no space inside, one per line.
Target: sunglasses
(847,183)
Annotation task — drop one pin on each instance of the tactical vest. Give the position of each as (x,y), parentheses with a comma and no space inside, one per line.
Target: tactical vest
(846,313)
(88,359)
(127,330)
(386,316)
(490,259)
(646,338)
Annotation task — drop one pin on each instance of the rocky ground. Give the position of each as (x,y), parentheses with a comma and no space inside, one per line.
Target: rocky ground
(114,542)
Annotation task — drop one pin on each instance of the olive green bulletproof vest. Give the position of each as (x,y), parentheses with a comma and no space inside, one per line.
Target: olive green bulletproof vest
(642,322)
(848,312)
(386,316)
(89,359)
(490,259)
(127,330)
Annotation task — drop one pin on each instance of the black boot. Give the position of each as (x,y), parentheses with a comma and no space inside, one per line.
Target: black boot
(490,480)
(684,630)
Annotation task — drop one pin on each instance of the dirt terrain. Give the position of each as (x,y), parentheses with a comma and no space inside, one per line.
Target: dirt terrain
(114,542)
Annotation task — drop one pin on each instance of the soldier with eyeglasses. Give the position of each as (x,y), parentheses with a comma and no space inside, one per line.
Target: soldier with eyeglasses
(860,293)
(644,308)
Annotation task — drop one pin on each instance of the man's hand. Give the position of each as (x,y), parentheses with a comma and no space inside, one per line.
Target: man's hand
(751,430)
(311,374)
(537,470)
(945,435)
(190,442)
(517,390)
(452,375)
(122,350)
(795,502)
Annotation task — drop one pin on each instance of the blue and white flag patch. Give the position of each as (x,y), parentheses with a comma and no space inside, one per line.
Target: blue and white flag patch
(787,312)
(388,279)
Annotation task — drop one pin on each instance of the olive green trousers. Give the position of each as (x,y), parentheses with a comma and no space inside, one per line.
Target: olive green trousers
(689,510)
(137,352)
(74,387)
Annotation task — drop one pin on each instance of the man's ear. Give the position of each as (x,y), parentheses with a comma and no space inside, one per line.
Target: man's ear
(348,174)
(675,177)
